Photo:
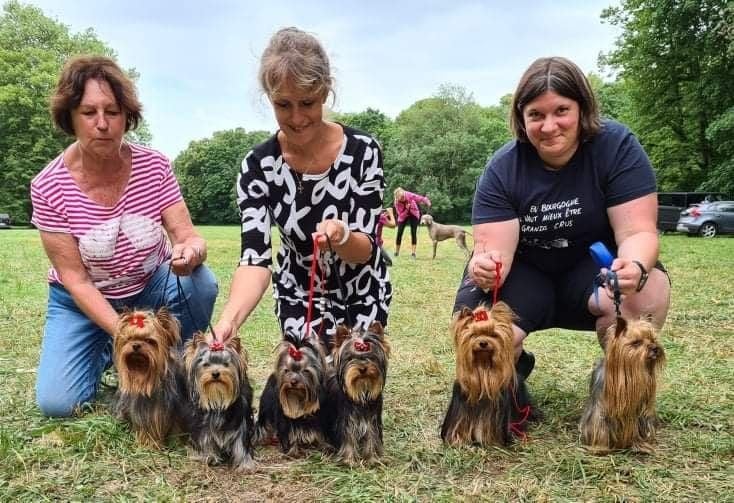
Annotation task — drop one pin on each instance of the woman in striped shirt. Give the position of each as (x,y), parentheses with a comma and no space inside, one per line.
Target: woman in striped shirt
(112,219)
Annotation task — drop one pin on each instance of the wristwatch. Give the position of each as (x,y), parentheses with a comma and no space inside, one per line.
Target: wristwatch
(643,276)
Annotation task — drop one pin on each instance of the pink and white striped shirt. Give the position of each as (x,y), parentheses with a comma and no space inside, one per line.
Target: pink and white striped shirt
(121,246)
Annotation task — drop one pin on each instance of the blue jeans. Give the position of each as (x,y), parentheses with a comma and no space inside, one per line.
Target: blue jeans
(75,351)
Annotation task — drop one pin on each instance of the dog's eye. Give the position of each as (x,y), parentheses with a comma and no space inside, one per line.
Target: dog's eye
(205,364)
(636,344)
(150,341)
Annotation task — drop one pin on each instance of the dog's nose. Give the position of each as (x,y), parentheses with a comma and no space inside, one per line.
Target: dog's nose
(215,375)
(136,346)
(362,370)
(653,352)
(294,381)
(483,344)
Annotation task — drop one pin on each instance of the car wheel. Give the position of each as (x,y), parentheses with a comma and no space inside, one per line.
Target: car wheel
(708,230)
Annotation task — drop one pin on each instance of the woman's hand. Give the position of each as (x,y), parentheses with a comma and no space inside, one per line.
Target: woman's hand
(337,231)
(185,258)
(224,330)
(483,269)
(629,275)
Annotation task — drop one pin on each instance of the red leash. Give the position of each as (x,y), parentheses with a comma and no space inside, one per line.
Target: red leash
(496,290)
(312,285)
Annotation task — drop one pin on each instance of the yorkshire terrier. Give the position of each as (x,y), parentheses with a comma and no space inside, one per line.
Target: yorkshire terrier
(355,393)
(151,384)
(220,397)
(490,402)
(620,413)
(291,405)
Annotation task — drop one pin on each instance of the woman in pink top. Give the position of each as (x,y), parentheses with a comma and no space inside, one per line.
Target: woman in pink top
(406,206)
(113,223)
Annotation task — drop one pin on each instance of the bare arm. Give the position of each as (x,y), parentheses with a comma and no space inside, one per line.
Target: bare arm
(189,248)
(390,219)
(635,231)
(248,286)
(63,251)
(493,242)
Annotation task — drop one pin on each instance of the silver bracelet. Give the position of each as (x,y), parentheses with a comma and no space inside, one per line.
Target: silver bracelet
(347,233)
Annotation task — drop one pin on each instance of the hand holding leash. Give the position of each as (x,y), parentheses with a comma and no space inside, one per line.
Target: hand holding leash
(184,258)
(483,269)
(334,230)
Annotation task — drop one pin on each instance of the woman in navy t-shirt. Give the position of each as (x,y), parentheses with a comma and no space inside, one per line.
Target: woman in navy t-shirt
(568,179)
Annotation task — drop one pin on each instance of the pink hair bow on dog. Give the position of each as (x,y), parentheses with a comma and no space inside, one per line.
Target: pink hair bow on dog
(215,345)
(138,320)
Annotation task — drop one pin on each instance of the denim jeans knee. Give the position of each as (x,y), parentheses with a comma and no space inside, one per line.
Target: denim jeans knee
(74,354)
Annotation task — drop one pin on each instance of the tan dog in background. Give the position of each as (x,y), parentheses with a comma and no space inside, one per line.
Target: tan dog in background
(441,232)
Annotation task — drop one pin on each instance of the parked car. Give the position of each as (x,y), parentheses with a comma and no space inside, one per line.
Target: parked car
(708,219)
(670,204)
(4,221)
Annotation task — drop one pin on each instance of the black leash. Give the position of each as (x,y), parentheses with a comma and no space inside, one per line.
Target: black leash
(342,290)
(182,295)
(611,280)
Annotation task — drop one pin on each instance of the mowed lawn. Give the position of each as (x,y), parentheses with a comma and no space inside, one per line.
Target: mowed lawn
(94,457)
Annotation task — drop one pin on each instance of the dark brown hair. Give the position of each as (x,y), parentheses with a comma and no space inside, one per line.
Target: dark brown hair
(70,90)
(297,55)
(564,78)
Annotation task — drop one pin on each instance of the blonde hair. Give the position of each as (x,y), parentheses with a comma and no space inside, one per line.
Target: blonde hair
(295,55)
(398,194)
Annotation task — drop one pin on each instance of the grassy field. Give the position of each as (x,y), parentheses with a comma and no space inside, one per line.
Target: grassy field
(93,457)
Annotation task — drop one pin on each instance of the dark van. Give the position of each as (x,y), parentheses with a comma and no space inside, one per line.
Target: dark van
(670,204)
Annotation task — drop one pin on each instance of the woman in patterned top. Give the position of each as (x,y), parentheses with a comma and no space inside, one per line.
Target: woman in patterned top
(313,180)
(106,210)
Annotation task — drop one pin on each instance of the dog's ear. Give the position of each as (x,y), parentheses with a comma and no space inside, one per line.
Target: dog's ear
(169,324)
(465,313)
(342,334)
(620,326)
(501,312)
(234,343)
(376,327)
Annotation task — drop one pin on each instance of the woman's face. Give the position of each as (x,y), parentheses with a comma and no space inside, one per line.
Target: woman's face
(98,121)
(299,113)
(552,126)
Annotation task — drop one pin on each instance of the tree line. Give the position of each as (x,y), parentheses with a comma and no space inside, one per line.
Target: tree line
(672,67)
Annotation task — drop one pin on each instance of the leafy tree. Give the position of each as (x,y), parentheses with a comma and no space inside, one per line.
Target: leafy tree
(207,172)
(371,121)
(440,147)
(675,59)
(33,48)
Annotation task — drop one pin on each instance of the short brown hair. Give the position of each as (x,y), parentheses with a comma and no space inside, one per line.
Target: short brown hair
(297,55)
(564,78)
(70,90)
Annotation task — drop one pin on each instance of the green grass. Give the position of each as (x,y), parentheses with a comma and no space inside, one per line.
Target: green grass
(93,457)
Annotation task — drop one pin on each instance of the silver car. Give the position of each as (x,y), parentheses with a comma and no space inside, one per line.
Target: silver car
(708,219)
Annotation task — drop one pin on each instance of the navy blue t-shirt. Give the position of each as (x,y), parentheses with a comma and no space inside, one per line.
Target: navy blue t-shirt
(562,212)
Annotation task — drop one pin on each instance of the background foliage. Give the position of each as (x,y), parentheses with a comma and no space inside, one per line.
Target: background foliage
(668,76)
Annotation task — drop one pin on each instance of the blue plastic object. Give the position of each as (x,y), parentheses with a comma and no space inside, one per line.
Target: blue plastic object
(601,255)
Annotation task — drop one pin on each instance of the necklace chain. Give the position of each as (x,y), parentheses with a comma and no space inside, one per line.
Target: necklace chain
(307,171)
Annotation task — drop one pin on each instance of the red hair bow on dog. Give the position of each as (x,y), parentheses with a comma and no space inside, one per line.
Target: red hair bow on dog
(481,316)
(138,319)
(361,346)
(295,353)
(215,345)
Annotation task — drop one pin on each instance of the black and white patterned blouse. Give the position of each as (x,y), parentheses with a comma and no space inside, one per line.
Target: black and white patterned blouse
(351,190)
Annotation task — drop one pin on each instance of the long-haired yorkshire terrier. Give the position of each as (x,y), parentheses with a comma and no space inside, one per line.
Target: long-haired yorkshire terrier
(355,393)
(490,401)
(151,387)
(220,397)
(291,404)
(620,413)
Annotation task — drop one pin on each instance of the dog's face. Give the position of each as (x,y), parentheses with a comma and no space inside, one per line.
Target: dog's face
(426,220)
(300,371)
(483,339)
(634,345)
(360,359)
(215,373)
(142,349)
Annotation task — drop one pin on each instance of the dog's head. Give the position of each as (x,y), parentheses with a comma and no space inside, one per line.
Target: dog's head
(300,372)
(427,220)
(485,358)
(142,348)
(215,372)
(360,360)
(633,346)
